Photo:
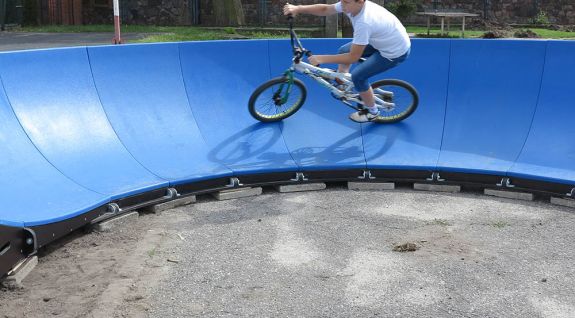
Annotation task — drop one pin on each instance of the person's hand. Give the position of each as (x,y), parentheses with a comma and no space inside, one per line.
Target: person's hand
(290,9)
(313,60)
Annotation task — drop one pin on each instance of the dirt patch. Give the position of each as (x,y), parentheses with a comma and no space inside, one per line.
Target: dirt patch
(494,35)
(98,274)
(526,34)
(216,258)
(405,247)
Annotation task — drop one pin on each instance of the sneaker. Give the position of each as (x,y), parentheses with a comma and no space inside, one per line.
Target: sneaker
(363,116)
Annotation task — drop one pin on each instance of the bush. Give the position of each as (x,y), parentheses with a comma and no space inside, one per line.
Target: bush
(526,34)
(541,18)
(403,8)
(230,30)
(494,34)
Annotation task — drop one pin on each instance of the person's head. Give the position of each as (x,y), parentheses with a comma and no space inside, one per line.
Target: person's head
(352,7)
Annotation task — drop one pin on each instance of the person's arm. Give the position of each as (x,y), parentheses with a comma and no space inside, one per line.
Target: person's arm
(314,9)
(360,41)
(347,58)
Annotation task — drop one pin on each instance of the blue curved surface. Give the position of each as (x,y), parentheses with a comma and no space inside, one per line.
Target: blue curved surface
(33,192)
(492,95)
(219,79)
(53,95)
(148,108)
(86,126)
(549,152)
(414,143)
(319,136)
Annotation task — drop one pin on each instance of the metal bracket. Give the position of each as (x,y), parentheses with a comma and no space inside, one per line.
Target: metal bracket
(572,193)
(113,208)
(31,242)
(435,177)
(299,176)
(366,175)
(505,182)
(171,193)
(234,182)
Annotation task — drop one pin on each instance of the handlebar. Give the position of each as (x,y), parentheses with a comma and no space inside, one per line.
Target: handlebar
(298,50)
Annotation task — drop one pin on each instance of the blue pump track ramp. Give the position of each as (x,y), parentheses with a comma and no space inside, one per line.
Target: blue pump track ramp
(91,132)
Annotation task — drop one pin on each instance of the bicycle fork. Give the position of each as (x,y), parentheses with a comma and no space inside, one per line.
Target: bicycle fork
(278,98)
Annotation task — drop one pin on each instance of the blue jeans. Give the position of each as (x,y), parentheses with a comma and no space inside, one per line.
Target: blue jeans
(373,65)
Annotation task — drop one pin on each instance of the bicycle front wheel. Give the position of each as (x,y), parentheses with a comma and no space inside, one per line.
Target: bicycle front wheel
(277,99)
(399,97)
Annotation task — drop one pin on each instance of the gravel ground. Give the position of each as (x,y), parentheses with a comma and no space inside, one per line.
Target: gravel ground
(331,253)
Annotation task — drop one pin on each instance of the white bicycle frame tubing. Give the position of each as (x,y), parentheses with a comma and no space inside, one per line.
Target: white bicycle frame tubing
(321,74)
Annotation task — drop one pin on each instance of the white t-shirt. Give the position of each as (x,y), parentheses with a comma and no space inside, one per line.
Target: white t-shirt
(378,27)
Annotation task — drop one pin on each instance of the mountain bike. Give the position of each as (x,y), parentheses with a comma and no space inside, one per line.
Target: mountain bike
(283,96)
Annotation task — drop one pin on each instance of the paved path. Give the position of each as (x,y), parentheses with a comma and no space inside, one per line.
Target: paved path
(12,41)
(330,254)
(315,254)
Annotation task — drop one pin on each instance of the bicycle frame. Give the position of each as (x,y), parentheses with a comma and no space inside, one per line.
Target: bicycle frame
(322,75)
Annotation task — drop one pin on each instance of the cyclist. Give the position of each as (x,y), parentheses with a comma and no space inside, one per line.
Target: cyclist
(378,36)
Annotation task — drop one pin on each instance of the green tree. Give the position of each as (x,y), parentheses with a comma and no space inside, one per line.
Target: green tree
(403,8)
(228,12)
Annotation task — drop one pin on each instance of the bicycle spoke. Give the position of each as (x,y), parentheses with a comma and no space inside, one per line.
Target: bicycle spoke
(266,106)
(402,99)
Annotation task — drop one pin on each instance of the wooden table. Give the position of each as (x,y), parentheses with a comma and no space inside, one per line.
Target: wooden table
(446,16)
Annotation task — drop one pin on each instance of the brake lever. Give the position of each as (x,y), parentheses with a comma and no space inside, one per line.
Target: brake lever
(308,54)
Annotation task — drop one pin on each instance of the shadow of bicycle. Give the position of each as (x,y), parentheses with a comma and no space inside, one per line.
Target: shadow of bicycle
(261,146)
(257,146)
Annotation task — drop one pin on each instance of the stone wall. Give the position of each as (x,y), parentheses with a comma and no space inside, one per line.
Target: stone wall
(255,13)
(145,12)
(507,11)
(177,12)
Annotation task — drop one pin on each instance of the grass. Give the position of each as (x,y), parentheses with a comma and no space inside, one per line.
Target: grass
(551,34)
(160,33)
(440,222)
(185,33)
(152,252)
(499,224)
(456,32)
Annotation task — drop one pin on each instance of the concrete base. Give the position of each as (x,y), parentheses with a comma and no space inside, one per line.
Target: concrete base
(110,224)
(237,193)
(170,204)
(509,194)
(15,277)
(437,187)
(300,187)
(367,186)
(570,203)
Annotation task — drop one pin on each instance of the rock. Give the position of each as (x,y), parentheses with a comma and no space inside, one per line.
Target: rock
(406,247)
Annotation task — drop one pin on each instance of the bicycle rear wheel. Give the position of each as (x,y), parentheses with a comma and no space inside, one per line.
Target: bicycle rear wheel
(400,94)
(276,99)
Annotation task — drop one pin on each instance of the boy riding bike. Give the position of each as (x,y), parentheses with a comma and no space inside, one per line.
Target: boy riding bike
(378,36)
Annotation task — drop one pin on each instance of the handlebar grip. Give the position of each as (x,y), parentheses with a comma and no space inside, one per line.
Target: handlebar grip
(308,54)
